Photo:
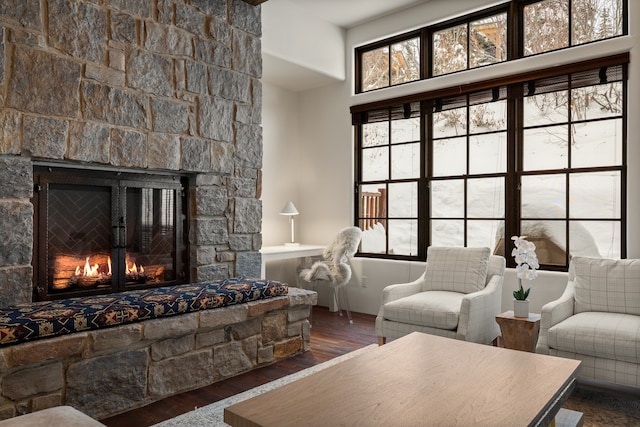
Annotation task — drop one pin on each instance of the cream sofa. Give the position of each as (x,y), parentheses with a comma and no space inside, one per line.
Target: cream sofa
(458,296)
(597,320)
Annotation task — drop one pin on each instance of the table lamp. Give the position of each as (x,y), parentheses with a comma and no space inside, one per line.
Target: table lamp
(290,210)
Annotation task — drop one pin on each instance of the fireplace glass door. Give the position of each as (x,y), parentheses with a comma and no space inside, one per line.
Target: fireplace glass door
(104,232)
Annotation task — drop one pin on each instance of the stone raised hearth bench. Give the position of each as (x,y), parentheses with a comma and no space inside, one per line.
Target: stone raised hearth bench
(113,369)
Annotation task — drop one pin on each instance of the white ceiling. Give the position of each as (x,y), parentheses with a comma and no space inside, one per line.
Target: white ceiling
(347,13)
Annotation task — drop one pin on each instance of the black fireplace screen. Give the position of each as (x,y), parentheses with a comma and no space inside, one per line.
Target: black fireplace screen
(103,232)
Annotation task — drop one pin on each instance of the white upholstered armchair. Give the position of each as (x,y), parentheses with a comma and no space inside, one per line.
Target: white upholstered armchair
(458,296)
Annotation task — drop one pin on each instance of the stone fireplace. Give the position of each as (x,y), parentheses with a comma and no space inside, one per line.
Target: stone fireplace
(169,88)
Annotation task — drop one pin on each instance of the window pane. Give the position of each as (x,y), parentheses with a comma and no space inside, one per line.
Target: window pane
(374,237)
(403,237)
(375,134)
(450,50)
(546,109)
(488,41)
(543,196)
(450,123)
(546,26)
(373,205)
(595,238)
(550,240)
(484,233)
(447,232)
(403,200)
(595,195)
(406,130)
(488,153)
(405,161)
(447,198)
(545,148)
(595,20)
(375,69)
(449,157)
(485,198)
(405,61)
(375,164)
(597,144)
(488,117)
(595,102)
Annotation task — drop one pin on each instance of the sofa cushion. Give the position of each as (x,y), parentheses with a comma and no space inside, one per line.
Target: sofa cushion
(435,309)
(607,285)
(456,269)
(605,335)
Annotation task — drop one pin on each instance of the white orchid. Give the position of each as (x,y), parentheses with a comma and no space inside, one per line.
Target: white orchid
(526,259)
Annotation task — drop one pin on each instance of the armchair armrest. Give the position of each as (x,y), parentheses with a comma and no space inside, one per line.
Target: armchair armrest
(553,313)
(401,290)
(477,321)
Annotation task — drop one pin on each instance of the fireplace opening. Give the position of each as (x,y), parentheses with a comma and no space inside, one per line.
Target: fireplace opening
(98,232)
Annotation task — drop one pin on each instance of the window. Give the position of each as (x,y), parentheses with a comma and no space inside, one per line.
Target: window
(483,38)
(393,63)
(541,156)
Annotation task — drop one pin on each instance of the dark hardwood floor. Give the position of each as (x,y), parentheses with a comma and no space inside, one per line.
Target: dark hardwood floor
(331,336)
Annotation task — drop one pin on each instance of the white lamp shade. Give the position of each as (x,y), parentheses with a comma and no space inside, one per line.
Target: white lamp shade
(289,209)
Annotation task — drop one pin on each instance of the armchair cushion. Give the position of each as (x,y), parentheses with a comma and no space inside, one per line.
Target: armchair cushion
(604,335)
(607,285)
(456,269)
(435,309)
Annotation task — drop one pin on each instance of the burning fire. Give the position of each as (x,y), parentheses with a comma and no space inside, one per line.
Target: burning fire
(94,270)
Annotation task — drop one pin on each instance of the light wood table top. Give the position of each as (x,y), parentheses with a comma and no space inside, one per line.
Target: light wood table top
(419,380)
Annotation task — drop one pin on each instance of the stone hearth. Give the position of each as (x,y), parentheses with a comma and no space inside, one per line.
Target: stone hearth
(165,86)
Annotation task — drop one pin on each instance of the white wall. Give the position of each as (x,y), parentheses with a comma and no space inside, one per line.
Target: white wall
(323,175)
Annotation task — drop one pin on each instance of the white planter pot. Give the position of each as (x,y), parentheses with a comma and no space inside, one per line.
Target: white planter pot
(521,308)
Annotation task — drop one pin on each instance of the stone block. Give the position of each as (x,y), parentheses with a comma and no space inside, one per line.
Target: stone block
(27,382)
(260,308)
(209,339)
(52,400)
(45,137)
(265,355)
(240,242)
(248,264)
(7,411)
(212,7)
(287,348)
(117,60)
(222,157)
(89,142)
(43,350)
(256,101)
(212,272)
(216,118)
(172,347)
(115,339)
(241,187)
(298,313)
(249,145)
(211,201)
(116,106)
(196,75)
(168,40)
(123,27)
(210,231)
(34,73)
(230,85)
(187,372)
(205,255)
(163,151)
(274,327)
(26,12)
(16,281)
(169,116)
(299,296)
(171,327)
(16,176)
(109,384)
(150,73)
(191,19)
(128,148)
(105,74)
(246,17)
(143,9)
(247,215)
(16,235)
(240,331)
(9,132)
(246,53)
(78,29)
(196,155)
(220,317)
(220,31)
(229,360)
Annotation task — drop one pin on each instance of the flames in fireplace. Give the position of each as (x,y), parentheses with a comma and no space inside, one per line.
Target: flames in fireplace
(97,272)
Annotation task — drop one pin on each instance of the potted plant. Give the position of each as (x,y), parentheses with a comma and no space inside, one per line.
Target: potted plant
(524,253)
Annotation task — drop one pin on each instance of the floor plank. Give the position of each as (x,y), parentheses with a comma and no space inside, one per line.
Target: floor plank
(331,336)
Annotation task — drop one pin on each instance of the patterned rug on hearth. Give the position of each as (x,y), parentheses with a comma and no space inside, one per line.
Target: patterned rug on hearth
(26,322)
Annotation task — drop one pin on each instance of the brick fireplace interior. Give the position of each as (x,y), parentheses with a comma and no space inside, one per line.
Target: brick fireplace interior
(161,99)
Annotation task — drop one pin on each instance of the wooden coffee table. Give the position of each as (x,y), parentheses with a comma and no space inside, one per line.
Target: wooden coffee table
(420,380)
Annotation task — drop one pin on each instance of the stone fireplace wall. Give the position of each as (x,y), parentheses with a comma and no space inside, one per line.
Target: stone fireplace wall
(162,86)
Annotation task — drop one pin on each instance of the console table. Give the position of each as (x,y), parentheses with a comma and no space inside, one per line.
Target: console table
(271,253)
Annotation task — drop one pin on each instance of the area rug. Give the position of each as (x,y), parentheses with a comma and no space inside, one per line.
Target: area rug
(213,415)
(605,409)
